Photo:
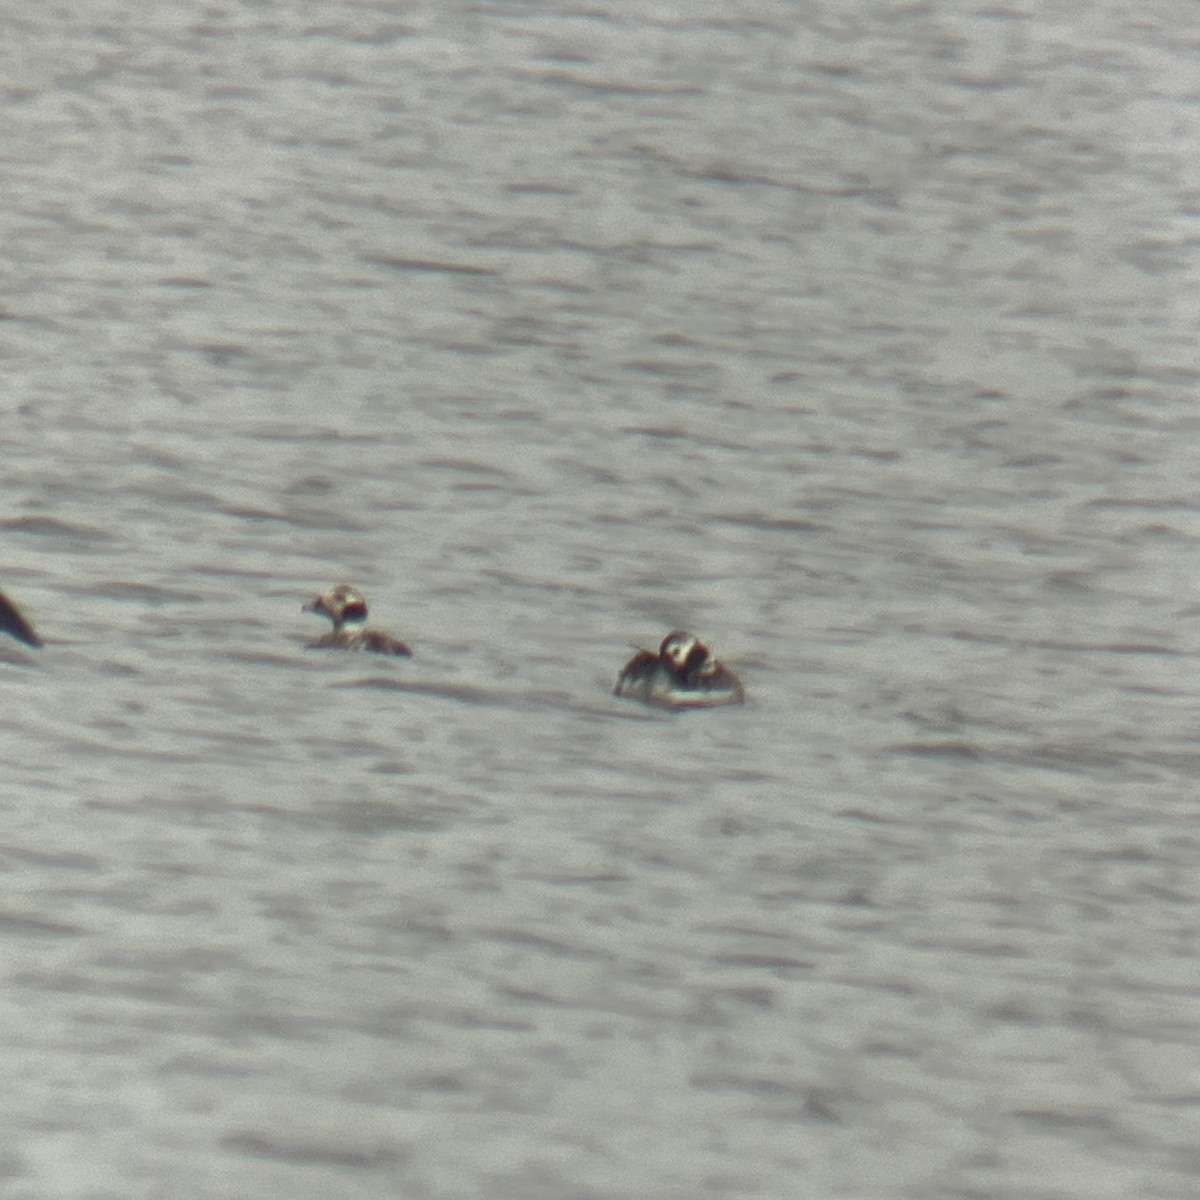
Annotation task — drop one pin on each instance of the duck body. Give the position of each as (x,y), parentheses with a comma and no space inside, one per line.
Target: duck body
(682,674)
(12,622)
(346,607)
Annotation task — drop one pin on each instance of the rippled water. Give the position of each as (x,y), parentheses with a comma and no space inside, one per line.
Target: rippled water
(860,341)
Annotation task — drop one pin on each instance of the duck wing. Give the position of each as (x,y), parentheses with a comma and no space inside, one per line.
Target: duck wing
(12,622)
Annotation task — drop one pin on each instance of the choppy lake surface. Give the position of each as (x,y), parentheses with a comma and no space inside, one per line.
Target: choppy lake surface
(861,341)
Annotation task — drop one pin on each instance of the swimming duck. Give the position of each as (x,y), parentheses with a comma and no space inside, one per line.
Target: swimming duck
(346,607)
(683,674)
(12,622)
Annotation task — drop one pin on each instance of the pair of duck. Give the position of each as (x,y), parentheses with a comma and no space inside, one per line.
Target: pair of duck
(682,674)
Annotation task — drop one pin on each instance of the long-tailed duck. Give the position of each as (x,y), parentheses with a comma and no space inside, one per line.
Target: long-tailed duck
(11,621)
(346,607)
(683,674)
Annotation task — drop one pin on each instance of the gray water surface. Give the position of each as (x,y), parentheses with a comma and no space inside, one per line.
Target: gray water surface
(859,339)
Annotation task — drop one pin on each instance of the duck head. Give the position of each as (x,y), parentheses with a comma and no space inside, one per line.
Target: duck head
(683,652)
(343,605)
